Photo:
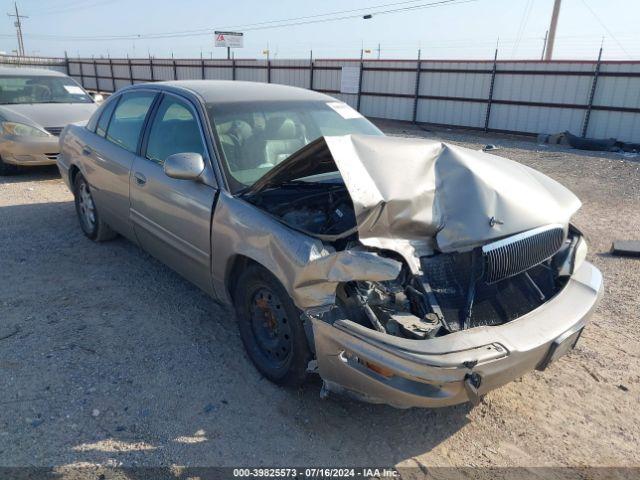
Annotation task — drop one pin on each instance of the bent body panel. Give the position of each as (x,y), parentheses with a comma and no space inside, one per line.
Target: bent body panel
(432,373)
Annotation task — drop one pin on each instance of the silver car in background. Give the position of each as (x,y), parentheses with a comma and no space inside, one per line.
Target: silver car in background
(35,105)
(403,271)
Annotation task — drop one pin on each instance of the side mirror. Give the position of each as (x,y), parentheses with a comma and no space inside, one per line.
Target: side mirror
(97,97)
(184,166)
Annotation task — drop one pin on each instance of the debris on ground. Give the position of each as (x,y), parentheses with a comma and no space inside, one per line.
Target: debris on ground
(490,147)
(626,248)
(594,144)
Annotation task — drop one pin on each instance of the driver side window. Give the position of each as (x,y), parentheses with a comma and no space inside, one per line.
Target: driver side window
(174,130)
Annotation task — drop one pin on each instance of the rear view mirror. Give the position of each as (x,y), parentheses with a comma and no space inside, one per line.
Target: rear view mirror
(97,97)
(184,166)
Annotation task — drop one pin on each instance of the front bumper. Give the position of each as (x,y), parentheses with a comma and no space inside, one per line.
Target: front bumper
(446,370)
(29,151)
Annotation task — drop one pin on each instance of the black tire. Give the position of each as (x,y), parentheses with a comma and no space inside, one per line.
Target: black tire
(90,222)
(271,328)
(7,168)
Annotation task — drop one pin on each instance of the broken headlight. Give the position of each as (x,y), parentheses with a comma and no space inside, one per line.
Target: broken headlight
(575,254)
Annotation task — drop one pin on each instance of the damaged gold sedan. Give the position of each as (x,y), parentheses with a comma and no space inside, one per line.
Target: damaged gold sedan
(403,271)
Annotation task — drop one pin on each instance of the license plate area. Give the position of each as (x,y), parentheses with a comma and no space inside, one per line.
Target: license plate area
(560,346)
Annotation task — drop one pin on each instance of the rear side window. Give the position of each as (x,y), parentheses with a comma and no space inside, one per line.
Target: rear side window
(174,130)
(103,122)
(127,120)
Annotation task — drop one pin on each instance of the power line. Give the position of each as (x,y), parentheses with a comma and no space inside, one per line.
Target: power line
(289,22)
(606,28)
(323,14)
(74,7)
(522,26)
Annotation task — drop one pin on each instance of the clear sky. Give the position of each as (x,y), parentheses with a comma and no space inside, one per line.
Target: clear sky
(463,30)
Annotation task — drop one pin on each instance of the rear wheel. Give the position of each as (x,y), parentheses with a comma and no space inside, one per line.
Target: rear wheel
(7,168)
(90,222)
(270,327)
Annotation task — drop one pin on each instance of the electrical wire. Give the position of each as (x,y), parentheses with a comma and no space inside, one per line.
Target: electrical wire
(606,28)
(521,28)
(289,23)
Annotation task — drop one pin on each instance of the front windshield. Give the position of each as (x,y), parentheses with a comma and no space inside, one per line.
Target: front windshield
(257,136)
(40,89)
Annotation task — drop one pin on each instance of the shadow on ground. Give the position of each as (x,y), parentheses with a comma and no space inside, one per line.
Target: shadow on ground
(31,174)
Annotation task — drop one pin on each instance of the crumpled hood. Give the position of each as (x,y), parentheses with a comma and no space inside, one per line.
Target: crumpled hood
(414,195)
(48,114)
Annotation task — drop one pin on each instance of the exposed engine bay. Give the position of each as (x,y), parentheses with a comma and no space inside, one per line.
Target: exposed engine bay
(320,209)
(486,286)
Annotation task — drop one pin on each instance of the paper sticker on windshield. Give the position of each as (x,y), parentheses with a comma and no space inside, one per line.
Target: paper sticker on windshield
(344,110)
(74,89)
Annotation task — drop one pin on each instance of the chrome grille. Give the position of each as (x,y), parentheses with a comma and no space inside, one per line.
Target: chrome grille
(54,130)
(518,253)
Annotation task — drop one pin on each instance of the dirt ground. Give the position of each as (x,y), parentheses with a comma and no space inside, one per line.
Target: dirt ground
(108,357)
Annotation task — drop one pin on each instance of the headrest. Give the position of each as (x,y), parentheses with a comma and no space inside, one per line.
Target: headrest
(238,128)
(280,128)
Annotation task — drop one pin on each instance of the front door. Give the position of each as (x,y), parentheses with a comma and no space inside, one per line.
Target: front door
(172,218)
(112,152)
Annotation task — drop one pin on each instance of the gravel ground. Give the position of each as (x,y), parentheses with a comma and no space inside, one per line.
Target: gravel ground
(107,357)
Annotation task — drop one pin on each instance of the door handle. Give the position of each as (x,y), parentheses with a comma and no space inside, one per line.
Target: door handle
(86,151)
(140,178)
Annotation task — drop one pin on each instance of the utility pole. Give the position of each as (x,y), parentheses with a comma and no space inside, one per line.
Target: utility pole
(18,25)
(378,51)
(552,30)
(544,44)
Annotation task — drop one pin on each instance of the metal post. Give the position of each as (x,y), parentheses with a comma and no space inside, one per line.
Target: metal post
(416,96)
(153,79)
(81,63)
(592,93)
(228,53)
(311,70)
(202,67)
(113,80)
(490,99)
(233,68)
(95,74)
(268,68)
(130,69)
(360,79)
(175,68)
(66,62)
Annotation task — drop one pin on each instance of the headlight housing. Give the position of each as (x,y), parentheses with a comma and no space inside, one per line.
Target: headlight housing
(22,130)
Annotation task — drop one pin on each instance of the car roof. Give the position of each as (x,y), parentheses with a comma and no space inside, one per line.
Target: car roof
(232,91)
(34,72)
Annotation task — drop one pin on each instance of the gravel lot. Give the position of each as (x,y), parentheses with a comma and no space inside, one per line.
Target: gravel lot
(107,357)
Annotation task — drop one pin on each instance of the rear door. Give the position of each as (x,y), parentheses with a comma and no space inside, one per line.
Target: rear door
(111,153)
(172,218)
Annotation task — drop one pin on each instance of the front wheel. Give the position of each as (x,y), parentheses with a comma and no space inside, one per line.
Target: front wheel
(90,222)
(271,328)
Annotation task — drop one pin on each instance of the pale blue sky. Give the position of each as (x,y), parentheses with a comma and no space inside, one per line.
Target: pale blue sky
(467,30)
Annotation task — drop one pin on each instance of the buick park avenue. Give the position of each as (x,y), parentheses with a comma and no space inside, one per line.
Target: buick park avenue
(403,271)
